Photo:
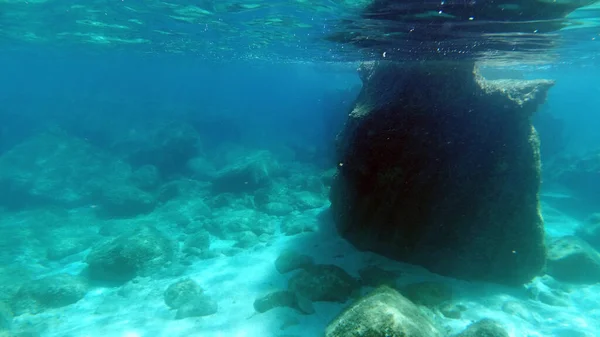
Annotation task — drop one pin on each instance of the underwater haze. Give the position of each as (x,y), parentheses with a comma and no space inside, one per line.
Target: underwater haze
(299,168)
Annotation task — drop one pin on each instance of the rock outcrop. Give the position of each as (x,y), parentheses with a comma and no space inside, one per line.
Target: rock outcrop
(441,168)
(384,312)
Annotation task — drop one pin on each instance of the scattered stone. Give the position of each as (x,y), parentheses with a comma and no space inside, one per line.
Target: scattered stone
(168,147)
(278,208)
(300,224)
(181,292)
(571,259)
(306,200)
(290,260)
(275,299)
(138,253)
(484,328)
(373,276)
(54,168)
(122,201)
(246,239)
(430,294)
(232,251)
(384,312)
(199,306)
(229,224)
(49,292)
(321,282)
(248,174)
(199,241)
(451,310)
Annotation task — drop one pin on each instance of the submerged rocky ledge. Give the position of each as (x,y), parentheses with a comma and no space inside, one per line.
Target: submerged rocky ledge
(440,167)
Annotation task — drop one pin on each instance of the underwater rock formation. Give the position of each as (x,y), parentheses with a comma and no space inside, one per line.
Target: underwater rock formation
(571,259)
(484,328)
(138,253)
(384,312)
(54,168)
(247,174)
(49,292)
(168,148)
(440,167)
(188,298)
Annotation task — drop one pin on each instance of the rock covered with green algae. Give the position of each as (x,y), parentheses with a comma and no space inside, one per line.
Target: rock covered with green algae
(441,168)
(188,298)
(54,168)
(484,328)
(49,292)
(168,147)
(140,252)
(384,312)
(323,282)
(283,298)
(571,259)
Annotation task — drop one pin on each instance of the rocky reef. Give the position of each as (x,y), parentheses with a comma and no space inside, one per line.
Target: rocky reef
(441,168)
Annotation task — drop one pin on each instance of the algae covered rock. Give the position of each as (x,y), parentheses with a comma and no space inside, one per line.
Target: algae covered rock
(384,312)
(298,224)
(199,306)
(138,253)
(189,299)
(181,292)
(290,260)
(571,259)
(54,168)
(441,168)
(197,242)
(167,147)
(248,174)
(125,201)
(283,298)
(275,299)
(484,328)
(49,292)
(322,282)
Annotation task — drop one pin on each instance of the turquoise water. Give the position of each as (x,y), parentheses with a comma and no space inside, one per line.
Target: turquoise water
(166,167)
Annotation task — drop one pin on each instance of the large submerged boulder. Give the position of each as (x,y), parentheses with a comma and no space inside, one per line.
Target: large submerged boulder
(384,312)
(441,168)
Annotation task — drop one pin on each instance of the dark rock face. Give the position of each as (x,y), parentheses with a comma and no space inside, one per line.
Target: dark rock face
(441,168)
